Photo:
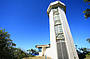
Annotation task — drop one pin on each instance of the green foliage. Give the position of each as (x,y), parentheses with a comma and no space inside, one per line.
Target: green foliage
(88,40)
(82,52)
(19,54)
(32,51)
(85,0)
(7,47)
(6,44)
(87,13)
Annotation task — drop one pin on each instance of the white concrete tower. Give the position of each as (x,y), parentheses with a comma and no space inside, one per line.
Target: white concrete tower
(62,45)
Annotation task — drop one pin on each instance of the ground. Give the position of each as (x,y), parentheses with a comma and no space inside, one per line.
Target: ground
(37,57)
(87,57)
(43,57)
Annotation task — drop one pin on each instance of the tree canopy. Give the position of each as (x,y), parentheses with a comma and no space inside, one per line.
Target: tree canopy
(88,40)
(7,47)
(87,11)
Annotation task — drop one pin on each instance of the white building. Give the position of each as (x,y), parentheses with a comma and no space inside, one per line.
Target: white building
(61,41)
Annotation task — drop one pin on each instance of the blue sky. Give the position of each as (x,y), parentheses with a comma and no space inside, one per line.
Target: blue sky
(28,23)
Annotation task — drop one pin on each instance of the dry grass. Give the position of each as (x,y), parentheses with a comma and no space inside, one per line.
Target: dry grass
(43,57)
(37,57)
(87,57)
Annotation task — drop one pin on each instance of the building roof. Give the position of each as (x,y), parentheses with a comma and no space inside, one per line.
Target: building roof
(56,4)
(40,46)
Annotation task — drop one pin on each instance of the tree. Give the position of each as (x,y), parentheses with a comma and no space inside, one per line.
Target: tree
(19,53)
(88,40)
(6,44)
(82,52)
(87,0)
(32,52)
(7,47)
(87,11)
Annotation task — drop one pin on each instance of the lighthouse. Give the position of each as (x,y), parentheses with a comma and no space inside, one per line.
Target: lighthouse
(61,41)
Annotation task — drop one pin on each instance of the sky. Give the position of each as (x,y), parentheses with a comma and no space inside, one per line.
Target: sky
(28,24)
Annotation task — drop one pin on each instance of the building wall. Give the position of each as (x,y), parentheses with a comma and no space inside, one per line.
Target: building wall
(40,53)
(52,37)
(68,37)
